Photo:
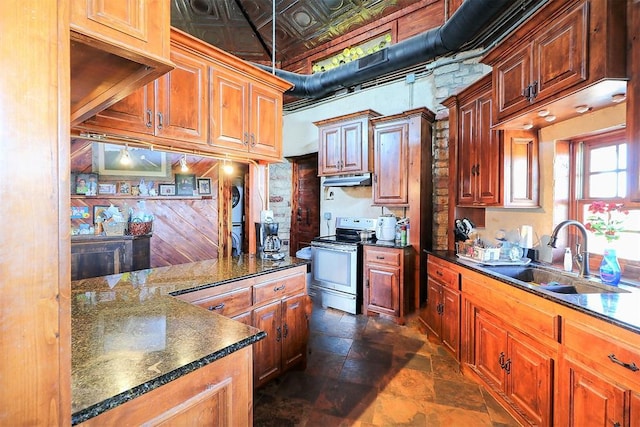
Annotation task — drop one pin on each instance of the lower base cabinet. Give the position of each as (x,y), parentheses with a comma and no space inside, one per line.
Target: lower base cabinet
(95,256)
(218,394)
(276,303)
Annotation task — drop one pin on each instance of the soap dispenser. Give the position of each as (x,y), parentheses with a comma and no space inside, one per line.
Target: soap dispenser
(568,260)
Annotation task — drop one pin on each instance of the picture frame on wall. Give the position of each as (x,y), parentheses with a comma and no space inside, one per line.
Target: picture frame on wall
(167,189)
(124,187)
(79,212)
(185,184)
(204,186)
(99,211)
(143,162)
(106,188)
(86,184)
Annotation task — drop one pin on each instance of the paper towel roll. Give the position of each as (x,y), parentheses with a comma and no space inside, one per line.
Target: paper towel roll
(526,236)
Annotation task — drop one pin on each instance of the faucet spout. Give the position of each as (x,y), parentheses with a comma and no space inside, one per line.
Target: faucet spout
(584,263)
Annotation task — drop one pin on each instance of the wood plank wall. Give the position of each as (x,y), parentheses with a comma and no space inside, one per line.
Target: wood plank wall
(184,230)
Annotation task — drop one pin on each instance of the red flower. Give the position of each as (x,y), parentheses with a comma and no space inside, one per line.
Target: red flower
(606,219)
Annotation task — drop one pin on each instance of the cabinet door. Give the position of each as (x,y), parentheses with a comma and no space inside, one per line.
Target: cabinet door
(589,400)
(529,381)
(181,100)
(488,169)
(510,78)
(267,352)
(560,53)
(383,285)
(467,154)
(265,136)
(329,154)
(99,259)
(130,22)
(451,321)
(520,169)
(295,330)
(391,151)
(354,153)
(490,350)
(634,410)
(229,118)
(434,298)
(135,113)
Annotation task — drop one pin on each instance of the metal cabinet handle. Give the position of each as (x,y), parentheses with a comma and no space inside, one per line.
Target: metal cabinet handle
(253,140)
(285,328)
(246,138)
(631,366)
(439,273)
(507,366)
(149,118)
(501,360)
(160,121)
(278,334)
(379,257)
(216,307)
(279,288)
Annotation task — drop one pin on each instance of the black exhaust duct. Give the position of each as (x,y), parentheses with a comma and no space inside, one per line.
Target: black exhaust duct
(464,25)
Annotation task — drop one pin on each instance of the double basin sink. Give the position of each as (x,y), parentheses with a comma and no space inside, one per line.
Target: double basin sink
(554,280)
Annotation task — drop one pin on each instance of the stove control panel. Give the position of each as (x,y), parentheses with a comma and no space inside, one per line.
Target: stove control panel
(355,223)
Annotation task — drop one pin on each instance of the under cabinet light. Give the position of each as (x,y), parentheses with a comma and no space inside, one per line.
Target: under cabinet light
(527,126)
(618,97)
(582,109)
(227,167)
(125,156)
(550,118)
(543,113)
(183,163)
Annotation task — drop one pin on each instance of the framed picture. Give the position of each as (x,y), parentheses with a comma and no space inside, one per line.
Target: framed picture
(124,187)
(87,184)
(98,212)
(109,188)
(79,212)
(204,185)
(167,189)
(185,184)
(106,159)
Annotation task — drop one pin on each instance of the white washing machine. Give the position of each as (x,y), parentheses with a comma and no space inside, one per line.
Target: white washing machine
(236,239)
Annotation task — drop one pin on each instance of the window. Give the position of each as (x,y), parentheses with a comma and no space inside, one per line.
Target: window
(601,175)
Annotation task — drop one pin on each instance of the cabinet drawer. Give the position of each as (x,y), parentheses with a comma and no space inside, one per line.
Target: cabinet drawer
(386,257)
(228,304)
(275,289)
(613,355)
(442,274)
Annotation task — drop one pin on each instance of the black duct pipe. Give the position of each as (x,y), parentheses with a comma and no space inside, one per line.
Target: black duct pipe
(464,25)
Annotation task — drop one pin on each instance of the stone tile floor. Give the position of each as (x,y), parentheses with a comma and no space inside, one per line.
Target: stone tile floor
(368,371)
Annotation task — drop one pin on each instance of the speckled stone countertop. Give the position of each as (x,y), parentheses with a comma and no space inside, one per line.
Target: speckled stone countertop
(129,335)
(621,309)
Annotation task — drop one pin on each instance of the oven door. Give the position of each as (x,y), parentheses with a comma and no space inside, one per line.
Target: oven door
(335,267)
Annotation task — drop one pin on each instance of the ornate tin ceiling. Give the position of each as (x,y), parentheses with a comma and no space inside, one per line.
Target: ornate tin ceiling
(243,27)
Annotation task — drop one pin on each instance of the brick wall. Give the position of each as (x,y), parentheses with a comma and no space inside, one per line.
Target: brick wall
(280,191)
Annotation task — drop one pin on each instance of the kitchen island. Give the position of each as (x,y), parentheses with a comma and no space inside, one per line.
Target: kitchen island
(131,335)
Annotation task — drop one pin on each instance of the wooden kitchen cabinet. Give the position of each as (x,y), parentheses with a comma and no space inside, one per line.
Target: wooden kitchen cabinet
(441,314)
(566,47)
(116,47)
(391,160)
(599,375)
(345,144)
(218,394)
(246,116)
(521,170)
(95,256)
(387,282)
(175,106)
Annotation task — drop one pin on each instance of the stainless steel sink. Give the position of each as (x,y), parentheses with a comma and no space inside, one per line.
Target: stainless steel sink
(554,280)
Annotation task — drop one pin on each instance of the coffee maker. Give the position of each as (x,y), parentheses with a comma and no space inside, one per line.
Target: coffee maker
(267,240)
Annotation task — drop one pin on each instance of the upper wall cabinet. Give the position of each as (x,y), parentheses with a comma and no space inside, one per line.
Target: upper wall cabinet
(246,116)
(345,145)
(116,48)
(571,53)
(212,102)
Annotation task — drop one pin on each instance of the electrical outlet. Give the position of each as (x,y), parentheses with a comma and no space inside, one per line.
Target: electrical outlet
(327,216)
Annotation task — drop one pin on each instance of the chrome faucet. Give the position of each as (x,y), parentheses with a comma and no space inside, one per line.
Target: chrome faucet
(581,258)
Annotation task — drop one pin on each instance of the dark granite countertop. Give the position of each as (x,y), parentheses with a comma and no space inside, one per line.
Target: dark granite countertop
(129,335)
(621,309)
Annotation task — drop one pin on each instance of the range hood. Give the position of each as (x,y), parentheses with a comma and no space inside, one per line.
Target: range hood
(347,180)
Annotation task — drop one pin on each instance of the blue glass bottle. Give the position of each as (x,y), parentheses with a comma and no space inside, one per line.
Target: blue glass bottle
(610,268)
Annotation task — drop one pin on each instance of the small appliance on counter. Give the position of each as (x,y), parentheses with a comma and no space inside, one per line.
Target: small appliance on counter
(386,227)
(267,240)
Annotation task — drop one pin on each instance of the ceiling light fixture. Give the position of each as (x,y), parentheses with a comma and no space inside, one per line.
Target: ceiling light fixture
(183,163)
(618,97)
(125,156)
(543,113)
(582,109)
(227,167)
